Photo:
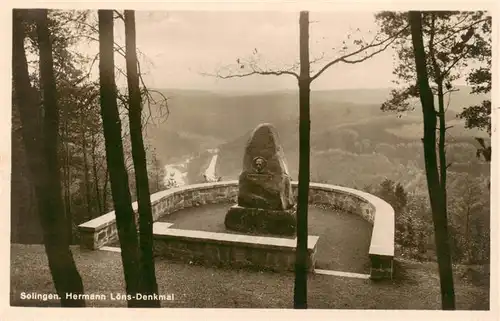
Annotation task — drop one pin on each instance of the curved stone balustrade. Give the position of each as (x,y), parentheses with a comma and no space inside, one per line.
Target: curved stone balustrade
(102,230)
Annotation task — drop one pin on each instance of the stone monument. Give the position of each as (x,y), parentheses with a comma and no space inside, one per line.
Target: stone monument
(265,199)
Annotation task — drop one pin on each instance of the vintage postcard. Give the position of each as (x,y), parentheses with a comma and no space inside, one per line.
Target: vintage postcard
(251,158)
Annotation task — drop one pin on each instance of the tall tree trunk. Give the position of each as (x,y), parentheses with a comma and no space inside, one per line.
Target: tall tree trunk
(469,203)
(157,180)
(25,224)
(68,205)
(436,195)
(442,143)
(439,79)
(51,143)
(105,191)
(125,221)
(66,181)
(468,255)
(148,284)
(93,156)
(62,154)
(300,288)
(86,181)
(41,146)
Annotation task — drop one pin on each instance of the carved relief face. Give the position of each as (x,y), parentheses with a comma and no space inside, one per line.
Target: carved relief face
(259,164)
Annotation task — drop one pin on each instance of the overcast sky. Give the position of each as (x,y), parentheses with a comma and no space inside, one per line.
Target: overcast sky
(179,45)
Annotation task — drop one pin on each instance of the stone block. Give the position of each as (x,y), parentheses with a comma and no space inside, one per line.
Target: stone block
(87,240)
(258,220)
(238,255)
(381,267)
(101,235)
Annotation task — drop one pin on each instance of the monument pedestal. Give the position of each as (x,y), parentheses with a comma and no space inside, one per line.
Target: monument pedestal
(265,200)
(259,220)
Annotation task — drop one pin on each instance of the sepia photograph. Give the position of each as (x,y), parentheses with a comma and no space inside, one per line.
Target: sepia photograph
(252,159)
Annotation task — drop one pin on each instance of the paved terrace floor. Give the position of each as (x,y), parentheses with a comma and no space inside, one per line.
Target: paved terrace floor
(344,239)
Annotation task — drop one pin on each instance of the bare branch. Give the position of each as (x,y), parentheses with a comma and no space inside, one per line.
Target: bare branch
(315,60)
(119,15)
(96,56)
(450,91)
(124,100)
(388,41)
(366,57)
(254,72)
(448,36)
(163,102)
(449,97)
(250,67)
(459,22)
(456,61)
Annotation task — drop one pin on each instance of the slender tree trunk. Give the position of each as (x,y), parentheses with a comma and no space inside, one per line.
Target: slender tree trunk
(467,236)
(41,143)
(69,205)
(156,173)
(67,181)
(96,177)
(148,284)
(51,137)
(125,221)
(468,209)
(86,180)
(436,195)
(157,179)
(300,288)
(105,191)
(439,79)
(63,139)
(51,121)
(442,143)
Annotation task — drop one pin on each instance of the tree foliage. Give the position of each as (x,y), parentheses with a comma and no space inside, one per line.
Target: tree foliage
(458,47)
(456,42)
(84,173)
(469,220)
(479,116)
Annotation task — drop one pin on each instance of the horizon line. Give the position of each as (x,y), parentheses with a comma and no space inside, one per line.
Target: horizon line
(276,90)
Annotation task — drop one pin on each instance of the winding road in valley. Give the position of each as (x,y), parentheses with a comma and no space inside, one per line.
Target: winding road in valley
(210,172)
(178,171)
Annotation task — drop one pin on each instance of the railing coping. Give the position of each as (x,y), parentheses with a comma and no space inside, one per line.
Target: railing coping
(382,240)
(161,230)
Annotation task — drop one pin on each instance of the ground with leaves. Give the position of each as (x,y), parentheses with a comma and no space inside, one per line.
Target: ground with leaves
(416,285)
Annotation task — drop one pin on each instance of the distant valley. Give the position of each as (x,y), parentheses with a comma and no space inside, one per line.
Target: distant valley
(353,143)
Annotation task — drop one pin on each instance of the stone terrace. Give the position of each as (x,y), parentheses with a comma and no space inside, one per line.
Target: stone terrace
(343,244)
(101,231)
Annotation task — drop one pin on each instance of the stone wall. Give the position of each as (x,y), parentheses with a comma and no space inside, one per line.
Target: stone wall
(102,230)
(338,198)
(371,208)
(95,238)
(232,250)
